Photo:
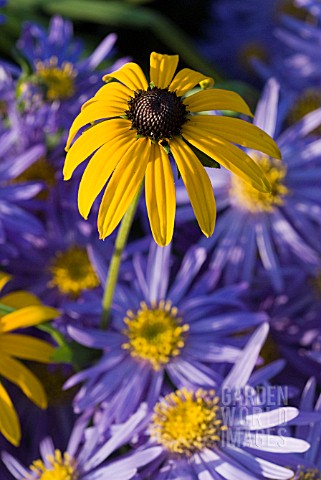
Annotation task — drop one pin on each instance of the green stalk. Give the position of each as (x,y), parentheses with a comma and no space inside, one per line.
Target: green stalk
(120,243)
(4,309)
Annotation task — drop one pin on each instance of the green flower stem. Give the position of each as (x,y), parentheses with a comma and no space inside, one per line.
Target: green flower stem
(4,309)
(121,241)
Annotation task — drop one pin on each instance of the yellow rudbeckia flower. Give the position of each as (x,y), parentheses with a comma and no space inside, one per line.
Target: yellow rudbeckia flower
(137,127)
(24,310)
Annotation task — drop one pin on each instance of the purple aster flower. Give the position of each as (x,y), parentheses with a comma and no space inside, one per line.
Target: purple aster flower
(299,68)
(27,126)
(19,228)
(311,5)
(25,131)
(309,462)
(68,266)
(87,454)
(236,31)
(296,61)
(256,229)
(60,77)
(165,329)
(20,131)
(227,433)
(29,150)
(55,421)
(306,465)
(295,320)
(59,268)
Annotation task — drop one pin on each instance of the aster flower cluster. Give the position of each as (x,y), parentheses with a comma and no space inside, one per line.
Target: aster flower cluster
(160,256)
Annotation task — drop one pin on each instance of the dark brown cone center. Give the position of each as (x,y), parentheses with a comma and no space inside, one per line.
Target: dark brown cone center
(157,113)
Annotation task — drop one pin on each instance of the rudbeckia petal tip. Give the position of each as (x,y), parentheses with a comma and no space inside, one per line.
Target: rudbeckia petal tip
(66,176)
(163,242)
(43,405)
(209,232)
(15,441)
(279,154)
(207,83)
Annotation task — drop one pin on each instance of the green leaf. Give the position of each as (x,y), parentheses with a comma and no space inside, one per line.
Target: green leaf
(62,354)
(4,309)
(69,351)
(56,335)
(75,354)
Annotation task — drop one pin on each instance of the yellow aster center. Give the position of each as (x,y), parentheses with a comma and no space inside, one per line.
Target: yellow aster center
(309,474)
(58,81)
(155,334)
(287,7)
(56,467)
(270,350)
(248,198)
(307,102)
(316,284)
(3,109)
(251,50)
(72,272)
(186,422)
(40,170)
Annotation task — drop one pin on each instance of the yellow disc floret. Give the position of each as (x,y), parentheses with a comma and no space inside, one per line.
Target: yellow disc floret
(41,170)
(316,284)
(55,467)
(307,102)
(248,198)
(155,334)
(58,80)
(250,50)
(309,474)
(186,422)
(72,272)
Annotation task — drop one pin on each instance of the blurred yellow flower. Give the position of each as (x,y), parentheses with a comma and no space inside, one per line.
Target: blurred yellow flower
(137,128)
(20,310)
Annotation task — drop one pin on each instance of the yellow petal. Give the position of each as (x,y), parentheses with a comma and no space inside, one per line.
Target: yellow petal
(88,142)
(4,279)
(27,317)
(123,186)
(237,131)
(215,99)
(160,195)
(9,422)
(162,69)
(119,92)
(101,166)
(186,79)
(18,374)
(131,75)
(25,347)
(95,111)
(229,156)
(20,299)
(197,183)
